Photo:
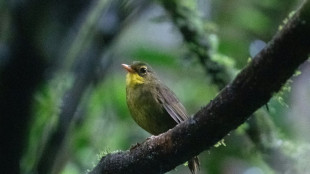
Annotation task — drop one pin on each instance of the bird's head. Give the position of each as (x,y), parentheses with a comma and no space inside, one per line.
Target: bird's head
(139,73)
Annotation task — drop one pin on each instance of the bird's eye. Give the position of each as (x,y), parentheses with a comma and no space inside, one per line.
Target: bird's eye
(142,70)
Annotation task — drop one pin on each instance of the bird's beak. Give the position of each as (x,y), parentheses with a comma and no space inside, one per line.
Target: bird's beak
(127,67)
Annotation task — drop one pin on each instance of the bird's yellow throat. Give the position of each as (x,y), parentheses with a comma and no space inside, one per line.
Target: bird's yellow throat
(133,79)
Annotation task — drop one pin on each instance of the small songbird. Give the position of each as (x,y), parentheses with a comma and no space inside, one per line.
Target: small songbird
(152,105)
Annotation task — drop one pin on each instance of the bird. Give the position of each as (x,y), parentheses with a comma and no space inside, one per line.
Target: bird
(152,105)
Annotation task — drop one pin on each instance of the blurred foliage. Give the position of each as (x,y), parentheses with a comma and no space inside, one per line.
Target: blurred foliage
(46,108)
(244,21)
(102,122)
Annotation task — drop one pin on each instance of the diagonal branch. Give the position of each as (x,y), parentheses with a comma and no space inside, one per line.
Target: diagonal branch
(251,89)
(190,25)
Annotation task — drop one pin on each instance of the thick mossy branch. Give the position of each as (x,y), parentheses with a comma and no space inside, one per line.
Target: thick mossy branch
(190,25)
(251,89)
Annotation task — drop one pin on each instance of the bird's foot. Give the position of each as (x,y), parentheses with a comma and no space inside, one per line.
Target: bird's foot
(134,146)
(151,137)
(138,144)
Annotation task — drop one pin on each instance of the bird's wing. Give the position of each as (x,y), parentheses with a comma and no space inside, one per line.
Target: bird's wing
(171,104)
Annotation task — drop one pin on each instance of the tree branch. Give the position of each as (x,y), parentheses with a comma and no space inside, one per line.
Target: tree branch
(251,89)
(190,25)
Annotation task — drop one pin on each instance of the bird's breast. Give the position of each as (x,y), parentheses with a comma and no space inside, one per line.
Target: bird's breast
(147,112)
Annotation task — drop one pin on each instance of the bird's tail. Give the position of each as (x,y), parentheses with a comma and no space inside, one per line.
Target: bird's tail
(193,165)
